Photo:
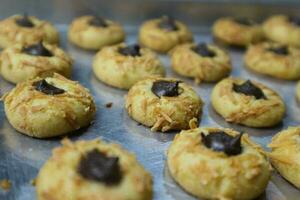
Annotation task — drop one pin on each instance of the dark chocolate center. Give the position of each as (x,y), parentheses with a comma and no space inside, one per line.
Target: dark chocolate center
(203,50)
(37,50)
(168,24)
(165,88)
(46,88)
(220,141)
(97,166)
(24,21)
(294,20)
(130,50)
(283,50)
(249,89)
(98,21)
(245,21)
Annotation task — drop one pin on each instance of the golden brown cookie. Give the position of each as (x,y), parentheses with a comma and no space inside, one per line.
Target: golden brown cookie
(123,65)
(49,107)
(238,32)
(283,29)
(217,163)
(93,170)
(203,62)
(275,60)
(163,34)
(26,30)
(285,154)
(20,62)
(247,102)
(91,32)
(164,104)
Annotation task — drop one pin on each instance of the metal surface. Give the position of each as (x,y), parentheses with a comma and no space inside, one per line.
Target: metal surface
(22,156)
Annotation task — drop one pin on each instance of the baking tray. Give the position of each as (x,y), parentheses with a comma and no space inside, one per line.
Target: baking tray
(21,156)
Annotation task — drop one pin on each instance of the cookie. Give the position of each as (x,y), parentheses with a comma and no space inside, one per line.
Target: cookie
(247,102)
(163,34)
(49,107)
(20,62)
(26,30)
(273,59)
(93,32)
(237,31)
(93,170)
(123,65)
(204,62)
(164,104)
(217,163)
(285,154)
(283,29)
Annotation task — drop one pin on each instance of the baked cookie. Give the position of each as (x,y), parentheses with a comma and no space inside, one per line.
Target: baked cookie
(237,31)
(22,62)
(26,30)
(275,60)
(92,32)
(49,107)
(93,170)
(283,29)
(216,163)
(164,104)
(285,154)
(123,65)
(247,102)
(203,62)
(163,34)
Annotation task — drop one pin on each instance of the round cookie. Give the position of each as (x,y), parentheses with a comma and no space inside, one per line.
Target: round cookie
(92,32)
(248,103)
(26,30)
(283,29)
(203,62)
(285,154)
(20,62)
(123,65)
(275,60)
(164,104)
(216,163)
(49,107)
(237,31)
(93,170)
(163,34)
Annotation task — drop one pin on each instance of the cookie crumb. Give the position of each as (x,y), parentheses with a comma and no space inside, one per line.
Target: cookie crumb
(5,184)
(109,105)
(33,182)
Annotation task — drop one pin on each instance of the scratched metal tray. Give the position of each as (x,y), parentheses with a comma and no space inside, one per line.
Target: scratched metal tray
(21,157)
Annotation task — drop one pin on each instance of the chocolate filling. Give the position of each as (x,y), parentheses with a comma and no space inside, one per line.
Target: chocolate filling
(294,20)
(24,21)
(97,166)
(168,24)
(283,50)
(203,50)
(131,50)
(245,21)
(37,50)
(98,21)
(165,88)
(220,141)
(249,89)
(46,88)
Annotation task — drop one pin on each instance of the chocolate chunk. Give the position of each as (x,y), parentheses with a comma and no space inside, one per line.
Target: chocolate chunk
(245,21)
(37,50)
(168,24)
(203,50)
(24,21)
(220,141)
(97,166)
(283,50)
(46,88)
(249,89)
(165,88)
(294,20)
(98,21)
(131,50)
